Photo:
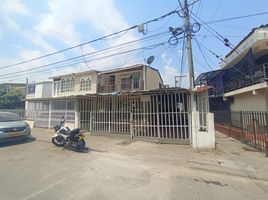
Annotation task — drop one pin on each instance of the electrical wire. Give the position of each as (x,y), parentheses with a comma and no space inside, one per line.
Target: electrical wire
(84,57)
(213,53)
(235,18)
(230,45)
(202,53)
(94,59)
(99,52)
(92,41)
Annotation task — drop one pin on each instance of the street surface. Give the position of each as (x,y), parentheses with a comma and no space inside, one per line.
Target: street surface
(123,169)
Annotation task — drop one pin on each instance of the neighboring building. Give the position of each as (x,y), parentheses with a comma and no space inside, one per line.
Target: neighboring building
(243,79)
(39,90)
(10,86)
(246,79)
(134,78)
(74,84)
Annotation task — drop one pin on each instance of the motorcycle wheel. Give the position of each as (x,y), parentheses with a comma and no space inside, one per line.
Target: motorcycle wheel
(81,146)
(58,141)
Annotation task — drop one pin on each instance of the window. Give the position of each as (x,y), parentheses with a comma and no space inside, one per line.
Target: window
(85,84)
(72,84)
(63,85)
(136,83)
(56,87)
(68,84)
(112,80)
(31,89)
(135,80)
(125,83)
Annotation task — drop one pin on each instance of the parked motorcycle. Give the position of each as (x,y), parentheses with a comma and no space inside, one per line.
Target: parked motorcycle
(68,138)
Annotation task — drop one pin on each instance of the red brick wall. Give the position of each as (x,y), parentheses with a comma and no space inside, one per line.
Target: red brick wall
(229,131)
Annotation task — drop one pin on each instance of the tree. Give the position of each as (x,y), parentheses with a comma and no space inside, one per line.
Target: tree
(11,100)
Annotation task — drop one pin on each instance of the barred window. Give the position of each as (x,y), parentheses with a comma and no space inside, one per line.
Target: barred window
(31,89)
(63,86)
(85,84)
(136,83)
(56,87)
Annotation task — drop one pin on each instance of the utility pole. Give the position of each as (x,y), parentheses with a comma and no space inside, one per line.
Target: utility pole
(193,118)
(187,27)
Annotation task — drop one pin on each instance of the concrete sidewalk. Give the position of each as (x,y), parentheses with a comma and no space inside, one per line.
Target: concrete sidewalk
(231,157)
(116,168)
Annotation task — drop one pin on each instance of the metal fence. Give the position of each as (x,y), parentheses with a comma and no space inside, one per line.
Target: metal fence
(19,112)
(202,106)
(253,126)
(160,117)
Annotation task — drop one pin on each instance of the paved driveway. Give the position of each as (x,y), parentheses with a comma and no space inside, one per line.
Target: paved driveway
(123,169)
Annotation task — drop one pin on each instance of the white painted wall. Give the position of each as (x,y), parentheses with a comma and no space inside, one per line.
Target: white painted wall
(249,102)
(42,90)
(47,90)
(258,34)
(203,139)
(152,79)
(94,86)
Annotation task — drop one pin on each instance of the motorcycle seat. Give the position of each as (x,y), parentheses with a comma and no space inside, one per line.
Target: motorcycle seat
(74,132)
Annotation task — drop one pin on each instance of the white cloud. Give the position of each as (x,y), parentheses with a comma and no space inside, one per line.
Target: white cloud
(60,22)
(169,72)
(11,24)
(13,7)
(103,19)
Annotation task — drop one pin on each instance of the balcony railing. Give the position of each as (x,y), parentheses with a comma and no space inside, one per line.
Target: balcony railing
(257,75)
(108,88)
(124,87)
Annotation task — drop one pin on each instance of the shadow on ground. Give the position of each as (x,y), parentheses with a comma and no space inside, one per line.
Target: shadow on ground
(16,141)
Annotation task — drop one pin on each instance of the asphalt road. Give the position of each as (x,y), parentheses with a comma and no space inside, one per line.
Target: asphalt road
(114,169)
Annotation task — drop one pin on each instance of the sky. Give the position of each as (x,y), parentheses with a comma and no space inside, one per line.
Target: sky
(30,29)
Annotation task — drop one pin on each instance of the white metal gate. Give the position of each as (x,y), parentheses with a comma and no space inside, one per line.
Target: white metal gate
(163,118)
(47,114)
(158,116)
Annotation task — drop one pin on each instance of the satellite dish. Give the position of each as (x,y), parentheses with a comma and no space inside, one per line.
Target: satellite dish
(150,60)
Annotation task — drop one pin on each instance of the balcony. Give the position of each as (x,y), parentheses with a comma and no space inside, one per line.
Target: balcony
(125,86)
(108,88)
(257,75)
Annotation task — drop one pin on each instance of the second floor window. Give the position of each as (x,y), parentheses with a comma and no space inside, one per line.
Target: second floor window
(136,83)
(85,84)
(67,85)
(125,83)
(31,89)
(63,85)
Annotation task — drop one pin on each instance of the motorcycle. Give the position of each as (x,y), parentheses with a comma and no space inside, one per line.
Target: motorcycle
(68,138)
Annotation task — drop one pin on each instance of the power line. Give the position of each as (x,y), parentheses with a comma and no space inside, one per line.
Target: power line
(225,41)
(199,47)
(92,41)
(235,18)
(94,59)
(66,66)
(99,52)
(213,53)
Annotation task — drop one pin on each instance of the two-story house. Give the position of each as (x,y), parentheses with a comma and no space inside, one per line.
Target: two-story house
(134,78)
(39,90)
(242,80)
(73,84)
(72,92)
